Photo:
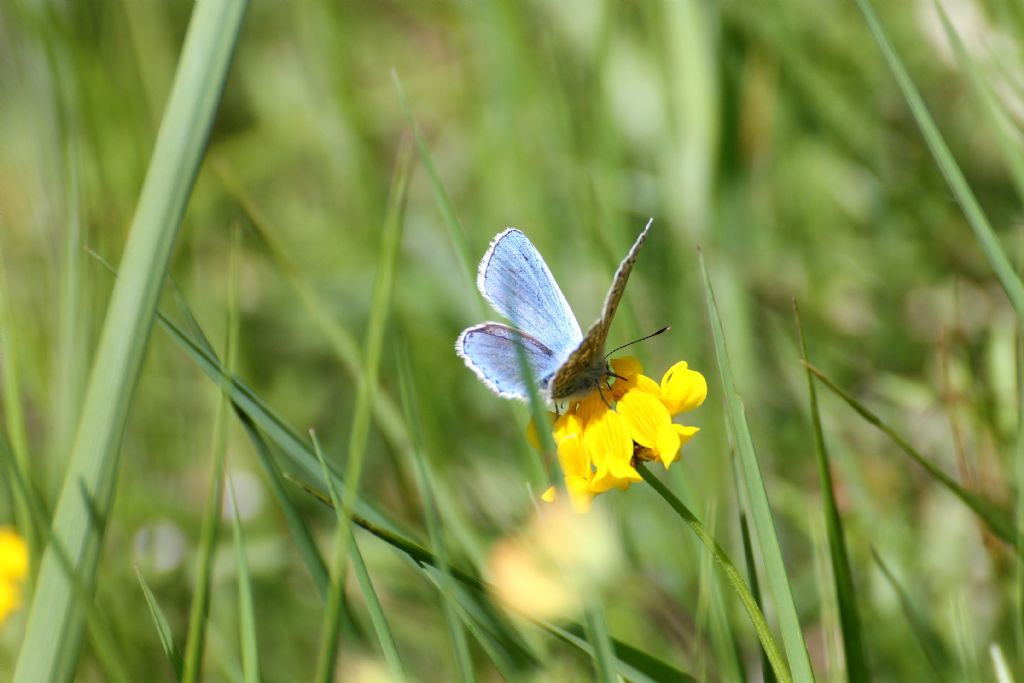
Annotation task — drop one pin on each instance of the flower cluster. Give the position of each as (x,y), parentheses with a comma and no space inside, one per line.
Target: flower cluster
(601,437)
(13,568)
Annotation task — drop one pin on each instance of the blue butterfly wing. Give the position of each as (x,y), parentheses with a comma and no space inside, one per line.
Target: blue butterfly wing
(489,350)
(517,283)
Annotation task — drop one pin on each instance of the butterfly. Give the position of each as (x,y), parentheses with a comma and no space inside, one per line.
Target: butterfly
(516,282)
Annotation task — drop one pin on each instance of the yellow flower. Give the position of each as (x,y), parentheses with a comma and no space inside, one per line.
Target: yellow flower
(555,563)
(10,598)
(606,437)
(575,461)
(13,568)
(651,425)
(683,389)
(601,436)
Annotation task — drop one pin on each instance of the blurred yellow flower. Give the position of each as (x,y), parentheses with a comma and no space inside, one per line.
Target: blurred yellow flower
(601,437)
(13,568)
(559,560)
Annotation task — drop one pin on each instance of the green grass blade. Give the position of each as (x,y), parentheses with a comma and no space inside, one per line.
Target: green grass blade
(342,342)
(246,402)
(1018,470)
(999,664)
(100,629)
(296,451)
(842,575)
(767,673)
(976,217)
(297,528)
(597,635)
(451,219)
(14,418)
(505,653)
(633,664)
(163,628)
(711,616)
(334,611)
(379,309)
(757,496)
(927,636)
(53,633)
(463,661)
(380,623)
(998,520)
(200,609)
(995,113)
(764,633)
(246,610)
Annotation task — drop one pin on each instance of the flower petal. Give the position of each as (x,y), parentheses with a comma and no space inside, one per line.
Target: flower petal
(607,437)
(567,425)
(668,444)
(573,456)
(624,472)
(685,433)
(614,473)
(645,414)
(683,389)
(13,555)
(580,494)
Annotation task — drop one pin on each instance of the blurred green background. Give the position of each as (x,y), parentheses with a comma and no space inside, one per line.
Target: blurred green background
(771,135)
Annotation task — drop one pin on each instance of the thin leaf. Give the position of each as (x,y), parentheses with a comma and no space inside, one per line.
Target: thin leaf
(14,419)
(100,630)
(597,636)
(246,611)
(451,219)
(842,575)
(53,634)
(333,613)
(757,496)
(200,608)
(379,309)
(463,661)
(767,673)
(380,623)
(1002,668)
(995,113)
(926,635)
(976,217)
(635,665)
(997,520)
(764,633)
(342,342)
(163,629)
(300,533)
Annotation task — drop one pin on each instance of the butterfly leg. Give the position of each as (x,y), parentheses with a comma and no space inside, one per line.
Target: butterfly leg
(601,394)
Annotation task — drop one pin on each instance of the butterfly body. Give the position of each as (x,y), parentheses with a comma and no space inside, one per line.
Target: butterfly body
(565,363)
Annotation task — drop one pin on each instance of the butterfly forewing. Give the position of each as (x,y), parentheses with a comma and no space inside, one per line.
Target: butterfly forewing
(489,349)
(585,365)
(515,280)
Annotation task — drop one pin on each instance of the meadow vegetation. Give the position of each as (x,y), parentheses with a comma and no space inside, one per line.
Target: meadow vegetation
(235,255)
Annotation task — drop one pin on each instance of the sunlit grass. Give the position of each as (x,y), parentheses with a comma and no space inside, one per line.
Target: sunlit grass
(343,171)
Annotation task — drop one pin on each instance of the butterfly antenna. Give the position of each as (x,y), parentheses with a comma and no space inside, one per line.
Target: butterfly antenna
(637,341)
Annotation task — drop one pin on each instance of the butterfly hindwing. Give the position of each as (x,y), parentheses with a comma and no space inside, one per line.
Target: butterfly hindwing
(489,350)
(517,283)
(585,366)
